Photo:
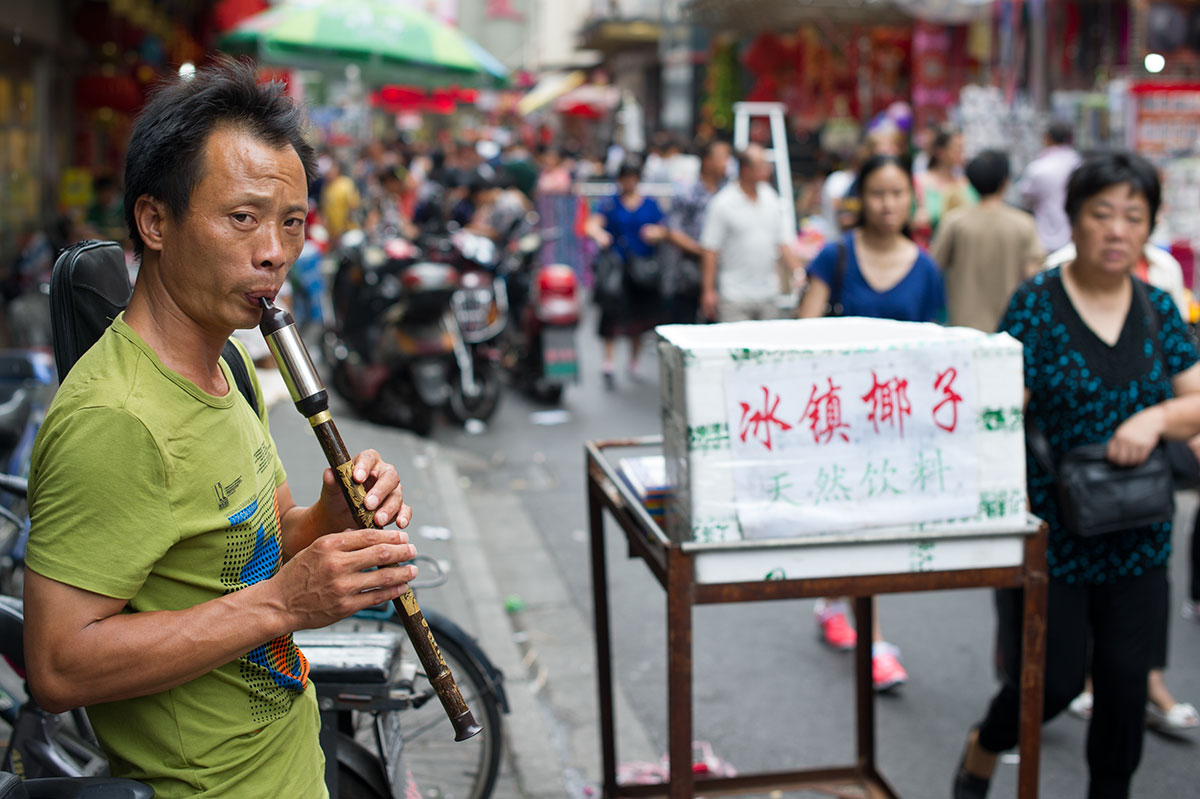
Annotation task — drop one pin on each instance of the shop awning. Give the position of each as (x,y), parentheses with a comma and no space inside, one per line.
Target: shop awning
(548,89)
(757,15)
(592,101)
(615,35)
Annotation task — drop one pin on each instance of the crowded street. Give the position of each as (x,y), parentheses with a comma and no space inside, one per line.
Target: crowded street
(768,693)
(587,399)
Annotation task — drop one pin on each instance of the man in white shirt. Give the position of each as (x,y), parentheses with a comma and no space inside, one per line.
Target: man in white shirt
(1043,188)
(743,238)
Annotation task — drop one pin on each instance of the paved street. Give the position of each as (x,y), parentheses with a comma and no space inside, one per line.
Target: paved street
(768,695)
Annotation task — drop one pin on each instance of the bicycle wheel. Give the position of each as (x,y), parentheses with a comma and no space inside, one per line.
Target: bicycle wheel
(352,786)
(432,762)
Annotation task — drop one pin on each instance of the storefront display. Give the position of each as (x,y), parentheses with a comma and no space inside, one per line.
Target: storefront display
(1164,120)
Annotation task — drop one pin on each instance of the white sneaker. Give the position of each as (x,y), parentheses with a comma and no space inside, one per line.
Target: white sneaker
(1081,706)
(1191,610)
(1182,716)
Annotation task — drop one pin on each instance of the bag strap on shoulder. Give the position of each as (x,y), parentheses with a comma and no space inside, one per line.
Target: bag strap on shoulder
(241,373)
(836,308)
(1142,297)
(1039,447)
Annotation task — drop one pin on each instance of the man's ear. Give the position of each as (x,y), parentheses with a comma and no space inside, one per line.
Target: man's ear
(151,217)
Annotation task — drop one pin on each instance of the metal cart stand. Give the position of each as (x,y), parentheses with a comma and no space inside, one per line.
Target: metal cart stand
(1018,561)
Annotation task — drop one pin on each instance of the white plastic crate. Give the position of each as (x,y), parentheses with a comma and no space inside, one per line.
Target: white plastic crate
(810,428)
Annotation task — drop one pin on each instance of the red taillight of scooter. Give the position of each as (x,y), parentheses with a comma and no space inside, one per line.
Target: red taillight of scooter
(557,295)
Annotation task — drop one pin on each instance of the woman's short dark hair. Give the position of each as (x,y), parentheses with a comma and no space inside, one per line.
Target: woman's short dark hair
(165,159)
(988,171)
(1101,171)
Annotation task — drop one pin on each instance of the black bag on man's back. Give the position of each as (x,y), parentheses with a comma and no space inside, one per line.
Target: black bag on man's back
(88,288)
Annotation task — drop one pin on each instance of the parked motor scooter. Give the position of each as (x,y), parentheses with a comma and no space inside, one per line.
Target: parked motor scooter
(393,344)
(544,310)
(27,384)
(481,308)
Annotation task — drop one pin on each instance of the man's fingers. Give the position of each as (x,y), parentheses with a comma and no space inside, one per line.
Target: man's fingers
(379,556)
(364,463)
(389,578)
(386,487)
(355,540)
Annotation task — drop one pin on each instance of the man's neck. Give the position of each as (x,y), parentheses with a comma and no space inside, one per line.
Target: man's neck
(749,188)
(711,182)
(992,199)
(177,340)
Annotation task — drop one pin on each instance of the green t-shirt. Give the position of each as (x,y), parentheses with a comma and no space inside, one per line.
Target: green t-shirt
(144,487)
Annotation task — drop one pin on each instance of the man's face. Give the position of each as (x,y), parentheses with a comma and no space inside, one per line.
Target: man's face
(243,229)
(758,169)
(718,160)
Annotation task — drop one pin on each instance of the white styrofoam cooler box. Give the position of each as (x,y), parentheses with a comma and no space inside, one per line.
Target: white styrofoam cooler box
(802,428)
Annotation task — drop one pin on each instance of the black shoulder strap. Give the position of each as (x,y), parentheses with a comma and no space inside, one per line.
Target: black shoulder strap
(1143,298)
(1039,446)
(241,375)
(833,306)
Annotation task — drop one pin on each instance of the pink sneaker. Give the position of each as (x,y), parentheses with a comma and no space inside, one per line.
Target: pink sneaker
(835,629)
(886,671)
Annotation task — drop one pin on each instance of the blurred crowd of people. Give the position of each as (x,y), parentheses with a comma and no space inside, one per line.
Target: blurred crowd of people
(902,228)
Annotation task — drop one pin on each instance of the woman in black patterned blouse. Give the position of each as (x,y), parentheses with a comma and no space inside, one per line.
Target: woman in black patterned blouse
(1104,355)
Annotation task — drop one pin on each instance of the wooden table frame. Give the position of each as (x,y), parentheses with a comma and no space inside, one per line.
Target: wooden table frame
(672,565)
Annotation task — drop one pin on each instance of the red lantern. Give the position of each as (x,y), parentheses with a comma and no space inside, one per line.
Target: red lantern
(118,92)
(765,54)
(228,13)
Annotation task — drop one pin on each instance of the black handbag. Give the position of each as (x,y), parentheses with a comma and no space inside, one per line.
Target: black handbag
(645,272)
(1095,496)
(687,281)
(608,292)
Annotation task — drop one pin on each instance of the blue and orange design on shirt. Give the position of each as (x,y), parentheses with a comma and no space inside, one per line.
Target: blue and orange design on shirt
(277,671)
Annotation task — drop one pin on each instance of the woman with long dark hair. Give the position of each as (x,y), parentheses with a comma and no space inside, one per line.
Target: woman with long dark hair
(874,270)
(943,186)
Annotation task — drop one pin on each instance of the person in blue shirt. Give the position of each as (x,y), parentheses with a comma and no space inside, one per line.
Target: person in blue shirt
(874,270)
(632,225)
(884,274)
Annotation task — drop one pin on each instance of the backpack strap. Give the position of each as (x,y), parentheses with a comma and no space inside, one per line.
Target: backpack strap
(241,374)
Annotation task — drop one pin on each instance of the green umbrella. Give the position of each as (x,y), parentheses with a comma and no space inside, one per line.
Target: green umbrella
(389,41)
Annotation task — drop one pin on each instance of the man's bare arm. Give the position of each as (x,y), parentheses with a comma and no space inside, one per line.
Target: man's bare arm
(82,649)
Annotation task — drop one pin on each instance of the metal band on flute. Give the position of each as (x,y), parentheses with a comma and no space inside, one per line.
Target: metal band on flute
(307,391)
